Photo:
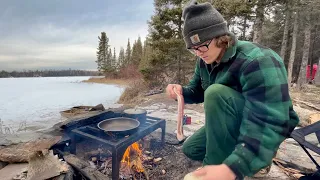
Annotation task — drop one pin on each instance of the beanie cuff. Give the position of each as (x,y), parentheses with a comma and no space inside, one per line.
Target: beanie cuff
(205,34)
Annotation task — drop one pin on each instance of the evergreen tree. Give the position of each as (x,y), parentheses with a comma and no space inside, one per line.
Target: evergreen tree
(102,53)
(136,52)
(121,58)
(170,61)
(114,59)
(128,54)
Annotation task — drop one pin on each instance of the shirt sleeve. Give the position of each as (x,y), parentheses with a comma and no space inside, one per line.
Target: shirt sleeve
(193,92)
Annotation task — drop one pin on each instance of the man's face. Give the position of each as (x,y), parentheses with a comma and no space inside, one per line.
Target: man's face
(207,51)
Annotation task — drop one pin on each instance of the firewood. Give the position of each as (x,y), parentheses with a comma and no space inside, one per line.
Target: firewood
(84,168)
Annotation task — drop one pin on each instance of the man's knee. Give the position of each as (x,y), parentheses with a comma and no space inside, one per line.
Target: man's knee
(187,149)
(215,90)
(192,153)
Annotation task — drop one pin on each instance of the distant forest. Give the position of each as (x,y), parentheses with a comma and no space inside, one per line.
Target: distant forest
(47,73)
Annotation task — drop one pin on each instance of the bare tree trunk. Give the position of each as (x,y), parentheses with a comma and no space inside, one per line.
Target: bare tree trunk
(306,47)
(257,29)
(293,48)
(317,78)
(244,28)
(284,44)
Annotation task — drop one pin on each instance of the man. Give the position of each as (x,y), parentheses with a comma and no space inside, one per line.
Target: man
(248,110)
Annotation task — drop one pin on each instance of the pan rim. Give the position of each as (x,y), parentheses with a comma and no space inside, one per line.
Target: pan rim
(109,119)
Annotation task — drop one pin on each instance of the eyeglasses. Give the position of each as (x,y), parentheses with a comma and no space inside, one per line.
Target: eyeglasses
(202,48)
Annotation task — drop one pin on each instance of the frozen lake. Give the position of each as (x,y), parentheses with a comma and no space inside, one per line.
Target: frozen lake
(38,101)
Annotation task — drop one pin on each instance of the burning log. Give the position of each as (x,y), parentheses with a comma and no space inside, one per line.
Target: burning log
(84,168)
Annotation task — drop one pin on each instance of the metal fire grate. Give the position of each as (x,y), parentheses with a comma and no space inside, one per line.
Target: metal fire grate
(117,145)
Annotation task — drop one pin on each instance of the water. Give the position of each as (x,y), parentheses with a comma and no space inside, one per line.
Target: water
(36,102)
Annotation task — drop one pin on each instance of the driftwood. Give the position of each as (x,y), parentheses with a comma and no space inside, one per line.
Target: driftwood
(84,168)
(20,153)
(307,104)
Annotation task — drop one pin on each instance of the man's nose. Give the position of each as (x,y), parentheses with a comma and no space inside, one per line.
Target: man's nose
(198,53)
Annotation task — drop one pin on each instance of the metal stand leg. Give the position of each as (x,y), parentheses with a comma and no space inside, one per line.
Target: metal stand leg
(73,144)
(163,133)
(116,158)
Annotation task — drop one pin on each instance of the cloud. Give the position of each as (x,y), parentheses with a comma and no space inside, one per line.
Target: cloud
(63,34)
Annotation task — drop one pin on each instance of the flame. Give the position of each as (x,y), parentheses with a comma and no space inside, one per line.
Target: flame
(132,157)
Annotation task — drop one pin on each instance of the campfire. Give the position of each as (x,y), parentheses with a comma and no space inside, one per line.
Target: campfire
(121,156)
(134,163)
(132,158)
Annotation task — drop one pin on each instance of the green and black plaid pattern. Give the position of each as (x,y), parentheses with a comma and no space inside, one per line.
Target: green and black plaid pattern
(268,116)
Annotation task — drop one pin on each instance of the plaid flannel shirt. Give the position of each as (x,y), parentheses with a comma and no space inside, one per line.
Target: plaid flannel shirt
(259,74)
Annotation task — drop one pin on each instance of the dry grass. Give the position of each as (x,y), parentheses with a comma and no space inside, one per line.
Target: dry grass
(134,92)
(108,81)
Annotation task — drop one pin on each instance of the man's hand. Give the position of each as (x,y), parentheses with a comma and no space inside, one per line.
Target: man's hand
(215,172)
(170,91)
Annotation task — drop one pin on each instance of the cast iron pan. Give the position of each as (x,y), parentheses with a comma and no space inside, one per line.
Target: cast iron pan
(119,126)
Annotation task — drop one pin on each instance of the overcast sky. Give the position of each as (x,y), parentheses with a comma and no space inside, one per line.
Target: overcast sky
(62,34)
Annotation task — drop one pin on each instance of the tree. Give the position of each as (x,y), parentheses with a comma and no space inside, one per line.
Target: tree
(102,53)
(258,23)
(114,59)
(121,58)
(128,54)
(136,52)
(306,47)
(317,78)
(294,46)
(285,37)
(170,61)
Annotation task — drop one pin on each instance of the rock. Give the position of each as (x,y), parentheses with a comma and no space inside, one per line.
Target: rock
(314,118)
(157,160)
(45,165)
(274,174)
(3,164)
(94,159)
(290,151)
(304,115)
(147,152)
(163,171)
(22,151)
(12,170)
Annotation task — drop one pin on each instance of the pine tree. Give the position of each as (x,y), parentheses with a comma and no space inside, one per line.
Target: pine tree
(114,59)
(128,54)
(121,58)
(136,52)
(170,61)
(102,52)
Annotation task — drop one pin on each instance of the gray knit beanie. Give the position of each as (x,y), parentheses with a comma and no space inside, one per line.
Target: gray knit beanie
(202,22)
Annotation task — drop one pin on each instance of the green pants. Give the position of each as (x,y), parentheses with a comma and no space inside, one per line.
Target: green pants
(214,142)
